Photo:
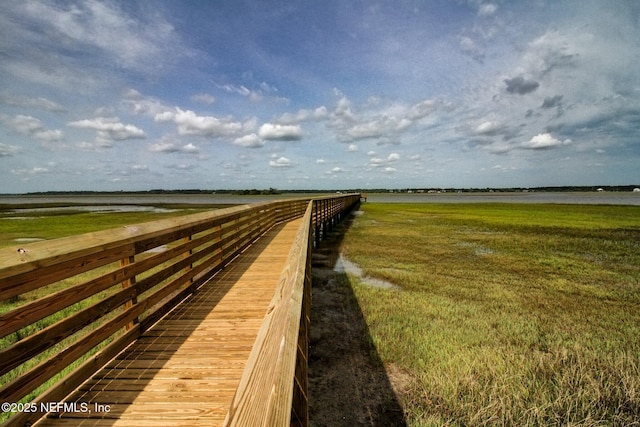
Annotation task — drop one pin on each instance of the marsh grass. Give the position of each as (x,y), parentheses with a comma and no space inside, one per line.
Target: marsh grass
(508,314)
(61,223)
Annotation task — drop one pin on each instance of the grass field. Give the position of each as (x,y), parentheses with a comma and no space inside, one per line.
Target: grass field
(52,223)
(508,314)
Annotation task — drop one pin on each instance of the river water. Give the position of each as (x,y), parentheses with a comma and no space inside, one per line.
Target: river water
(583,198)
(134,202)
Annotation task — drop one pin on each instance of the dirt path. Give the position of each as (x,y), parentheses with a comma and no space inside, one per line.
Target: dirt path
(348,384)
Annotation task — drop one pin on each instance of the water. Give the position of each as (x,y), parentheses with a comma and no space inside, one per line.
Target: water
(145,199)
(130,202)
(582,198)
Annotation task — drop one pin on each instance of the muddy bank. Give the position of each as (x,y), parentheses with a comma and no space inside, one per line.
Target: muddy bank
(348,384)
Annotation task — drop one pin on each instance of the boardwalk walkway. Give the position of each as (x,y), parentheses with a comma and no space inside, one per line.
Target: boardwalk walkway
(185,370)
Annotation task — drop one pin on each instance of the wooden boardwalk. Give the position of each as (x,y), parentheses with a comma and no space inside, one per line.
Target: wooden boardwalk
(184,371)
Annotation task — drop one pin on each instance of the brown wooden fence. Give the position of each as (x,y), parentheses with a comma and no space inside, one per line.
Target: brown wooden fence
(67,306)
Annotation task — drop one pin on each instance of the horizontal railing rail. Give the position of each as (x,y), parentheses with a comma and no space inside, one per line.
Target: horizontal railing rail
(69,305)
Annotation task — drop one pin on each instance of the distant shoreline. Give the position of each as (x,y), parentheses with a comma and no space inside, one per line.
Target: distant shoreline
(272,191)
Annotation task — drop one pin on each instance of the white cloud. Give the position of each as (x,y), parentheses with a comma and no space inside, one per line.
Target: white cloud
(487,9)
(29,125)
(352,148)
(189,123)
(173,147)
(374,129)
(92,26)
(304,115)
(488,128)
(39,103)
(270,131)
(109,128)
(7,150)
(190,148)
(378,161)
(36,170)
(255,95)
(320,161)
(250,141)
(544,140)
(164,147)
(280,162)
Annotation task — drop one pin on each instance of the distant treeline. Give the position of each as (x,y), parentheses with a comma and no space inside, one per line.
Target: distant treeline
(613,188)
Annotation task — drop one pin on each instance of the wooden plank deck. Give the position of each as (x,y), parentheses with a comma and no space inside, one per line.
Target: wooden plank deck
(185,370)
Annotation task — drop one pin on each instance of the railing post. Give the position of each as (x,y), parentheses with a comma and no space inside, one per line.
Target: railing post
(316,224)
(187,254)
(127,284)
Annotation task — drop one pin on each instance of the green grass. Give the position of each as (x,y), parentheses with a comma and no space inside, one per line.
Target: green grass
(509,314)
(61,223)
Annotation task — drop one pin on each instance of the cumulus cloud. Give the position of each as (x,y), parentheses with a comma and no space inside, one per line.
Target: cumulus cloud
(488,128)
(552,50)
(250,141)
(173,147)
(189,123)
(304,115)
(277,132)
(29,125)
(373,129)
(385,122)
(352,148)
(380,162)
(110,128)
(7,150)
(519,85)
(280,162)
(544,141)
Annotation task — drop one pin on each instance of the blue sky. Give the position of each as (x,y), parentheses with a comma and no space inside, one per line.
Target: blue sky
(123,95)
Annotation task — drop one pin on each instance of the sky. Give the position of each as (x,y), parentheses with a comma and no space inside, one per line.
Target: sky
(168,94)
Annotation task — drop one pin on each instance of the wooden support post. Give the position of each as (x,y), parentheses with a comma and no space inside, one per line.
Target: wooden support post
(316,228)
(126,284)
(187,255)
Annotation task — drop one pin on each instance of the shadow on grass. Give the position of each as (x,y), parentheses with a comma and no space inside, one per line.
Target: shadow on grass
(348,384)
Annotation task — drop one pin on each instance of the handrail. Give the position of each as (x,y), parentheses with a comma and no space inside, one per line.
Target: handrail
(265,393)
(87,297)
(273,386)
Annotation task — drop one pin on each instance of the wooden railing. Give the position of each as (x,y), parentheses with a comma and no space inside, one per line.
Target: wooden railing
(81,300)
